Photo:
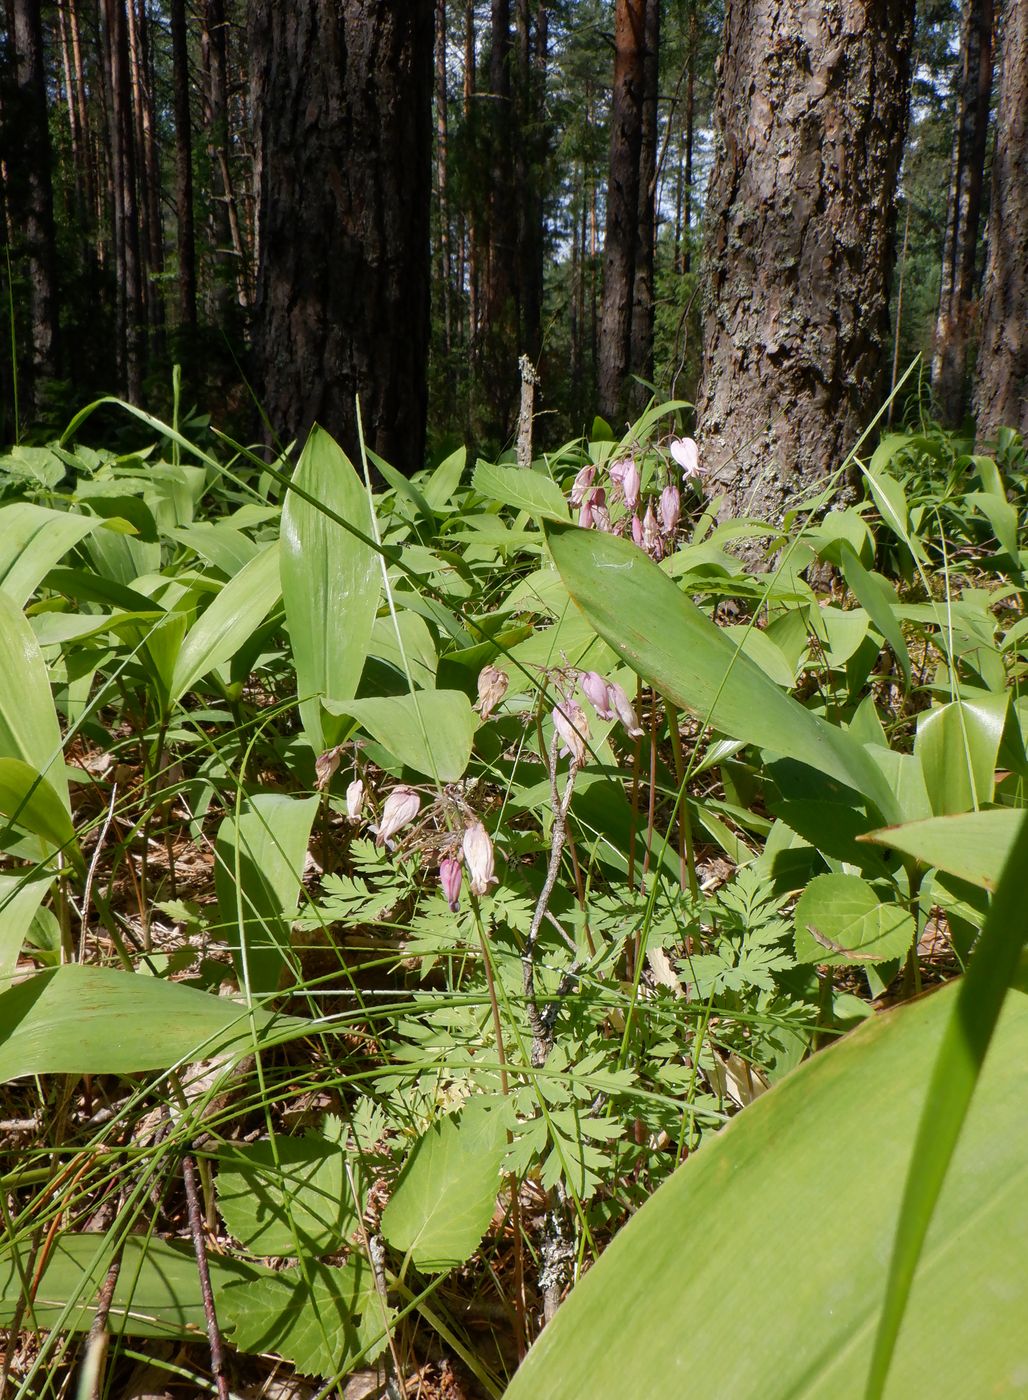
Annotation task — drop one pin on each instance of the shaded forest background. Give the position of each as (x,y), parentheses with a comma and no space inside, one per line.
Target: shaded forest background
(169,171)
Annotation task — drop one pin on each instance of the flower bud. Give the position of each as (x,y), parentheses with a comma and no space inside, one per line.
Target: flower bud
(325,766)
(585,515)
(355,795)
(492,687)
(581,485)
(450,876)
(594,688)
(686,454)
(625,709)
(478,853)
(401,807)
(670,508)
(631,484)
(637,530)
(571,724)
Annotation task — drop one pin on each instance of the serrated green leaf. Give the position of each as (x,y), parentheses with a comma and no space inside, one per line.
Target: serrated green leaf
(446,1193)
(289,1198)
(839,919)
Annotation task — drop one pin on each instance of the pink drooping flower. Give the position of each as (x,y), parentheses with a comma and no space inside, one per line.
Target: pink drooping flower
(492,687)
(585,515)
(401,807)
(670,509)
(616,471)
(651,535)
(581,485)
(686,454)
(625,710)
(450,877)
(631,485)
(478,855)
(573,728)
(325,766)
(601,519)
(595,690)
(355,795)
(637,531)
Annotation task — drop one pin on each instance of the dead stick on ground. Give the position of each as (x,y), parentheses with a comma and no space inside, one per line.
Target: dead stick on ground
(203,1269)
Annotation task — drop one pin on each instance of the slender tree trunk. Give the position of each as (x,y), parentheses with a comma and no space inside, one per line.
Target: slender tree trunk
(29,194)
(343,97)
(1001,392)
(640,355)
(626,123)
(498,350)
(152,182)
(89,179)
(530,159)
(954,324)
(186,238)
(811,114)
(690,127)
(126,214)
(442,193)
(473,224)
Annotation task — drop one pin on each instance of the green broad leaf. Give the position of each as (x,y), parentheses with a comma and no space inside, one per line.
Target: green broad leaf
(446,1193)
(402,485)
(665,638)
(440,486)
(958,745)
(323,1320)
(522,489)
(219,543)
(331,582)
(840,919)
(878,599)
(430,731)
(157,1293)
(229,621)
(287,1198)
(759,647)
(841,631)
(972,845)
(28,719)
(80,1019)
(413,649)
(31,802)
(804,1188)
(1002,516)
(32,540)
(960,1080)
(20,897)
(258,873)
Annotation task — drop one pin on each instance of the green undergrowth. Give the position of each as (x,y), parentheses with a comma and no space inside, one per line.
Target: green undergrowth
(403,881)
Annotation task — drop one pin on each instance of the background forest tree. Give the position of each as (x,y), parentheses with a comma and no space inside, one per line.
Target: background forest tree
(540,187)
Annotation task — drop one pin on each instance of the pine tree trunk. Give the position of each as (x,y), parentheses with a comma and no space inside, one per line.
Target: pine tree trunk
(130,326)
(344,103)
(640,357)
(1001,392)
(29,193)
(811,113)
(690,126)
(186,239)
(954,323)
(442,190)
(626,123)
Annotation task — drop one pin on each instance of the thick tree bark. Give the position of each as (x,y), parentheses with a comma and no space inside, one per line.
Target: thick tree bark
(811,113)
(344,102)
(1001,392)
(29,192)
(954,323)
(640,355)
(186,241)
